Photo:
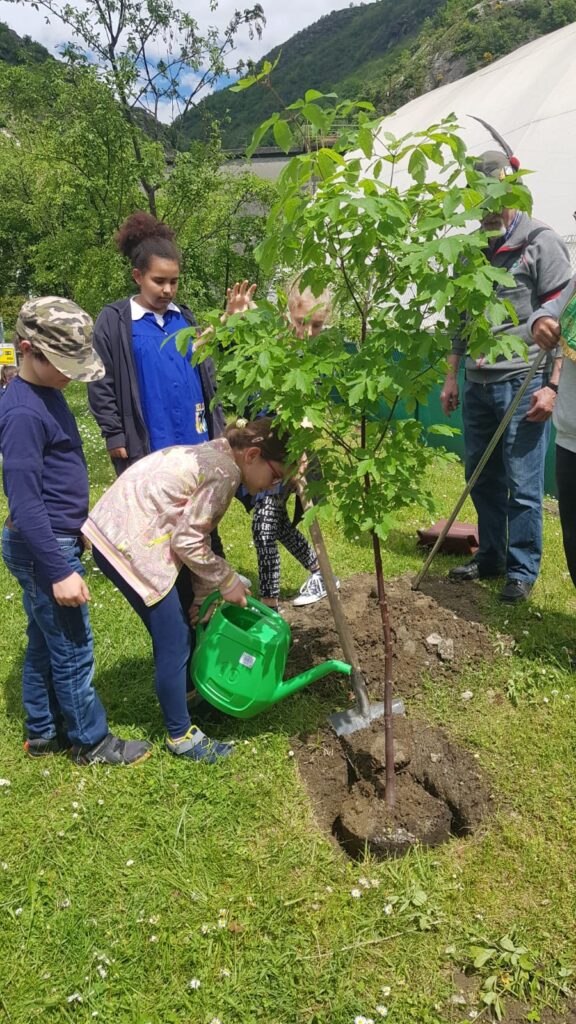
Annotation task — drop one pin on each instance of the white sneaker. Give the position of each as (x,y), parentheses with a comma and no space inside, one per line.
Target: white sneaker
(312,590)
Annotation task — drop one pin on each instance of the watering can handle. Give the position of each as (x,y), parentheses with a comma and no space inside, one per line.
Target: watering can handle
(216,596)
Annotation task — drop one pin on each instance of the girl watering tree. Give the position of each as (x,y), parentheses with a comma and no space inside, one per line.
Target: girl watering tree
(153,527)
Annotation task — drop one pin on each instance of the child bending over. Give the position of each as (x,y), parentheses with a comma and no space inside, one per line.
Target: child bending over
(152,529)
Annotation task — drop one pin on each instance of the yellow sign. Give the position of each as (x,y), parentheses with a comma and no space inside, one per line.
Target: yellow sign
(7,355)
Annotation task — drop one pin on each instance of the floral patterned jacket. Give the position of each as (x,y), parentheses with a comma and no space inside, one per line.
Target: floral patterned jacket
(159,514)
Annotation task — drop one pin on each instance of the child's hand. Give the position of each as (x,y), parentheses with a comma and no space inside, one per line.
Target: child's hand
(240,298)
(237,595)
(71,592)
(193,613)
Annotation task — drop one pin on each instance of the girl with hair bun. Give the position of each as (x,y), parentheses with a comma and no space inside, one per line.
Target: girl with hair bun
(150,398)
(153,526)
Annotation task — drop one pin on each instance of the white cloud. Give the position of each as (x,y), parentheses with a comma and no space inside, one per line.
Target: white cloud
(282,21)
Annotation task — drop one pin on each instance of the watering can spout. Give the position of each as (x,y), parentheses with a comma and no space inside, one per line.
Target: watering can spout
(290,686)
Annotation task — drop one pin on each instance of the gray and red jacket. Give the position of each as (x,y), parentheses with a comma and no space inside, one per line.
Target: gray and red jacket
(115,400)
(538,260)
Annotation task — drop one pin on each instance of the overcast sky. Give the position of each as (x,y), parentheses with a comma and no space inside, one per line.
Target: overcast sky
(283,19)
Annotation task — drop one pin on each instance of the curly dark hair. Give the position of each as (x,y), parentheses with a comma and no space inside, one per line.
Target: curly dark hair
(141,237)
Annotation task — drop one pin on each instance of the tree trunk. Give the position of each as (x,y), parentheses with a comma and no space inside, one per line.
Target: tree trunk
(390,795)
(149,190)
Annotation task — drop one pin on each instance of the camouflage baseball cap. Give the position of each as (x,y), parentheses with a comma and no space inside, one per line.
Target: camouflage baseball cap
(62,331)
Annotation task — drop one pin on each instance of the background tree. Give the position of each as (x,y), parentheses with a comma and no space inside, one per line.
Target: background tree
(152,55)
(69,176)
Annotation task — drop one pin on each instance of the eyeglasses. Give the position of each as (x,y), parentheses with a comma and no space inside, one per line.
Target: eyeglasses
(276,473)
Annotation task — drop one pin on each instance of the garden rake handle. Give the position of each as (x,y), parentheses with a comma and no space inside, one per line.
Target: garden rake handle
(491,446)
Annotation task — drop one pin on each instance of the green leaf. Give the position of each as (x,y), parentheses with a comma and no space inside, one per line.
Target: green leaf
(316,116)
(366,141)
(244,83)
(266,252)
(419,898)
(283,136)
(417,166)
(443,429)
(481,955)
(259,134)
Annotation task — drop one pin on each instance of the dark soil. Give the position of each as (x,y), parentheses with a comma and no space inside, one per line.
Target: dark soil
(466,987)
(440,789)
(450,610)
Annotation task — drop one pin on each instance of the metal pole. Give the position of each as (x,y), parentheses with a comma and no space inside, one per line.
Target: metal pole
(501,428)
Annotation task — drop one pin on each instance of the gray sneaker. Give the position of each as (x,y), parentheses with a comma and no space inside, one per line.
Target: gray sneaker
(199,747)
(111,750)
(312,590)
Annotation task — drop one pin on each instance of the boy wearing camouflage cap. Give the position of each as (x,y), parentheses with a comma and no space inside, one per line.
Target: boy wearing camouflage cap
(46,483)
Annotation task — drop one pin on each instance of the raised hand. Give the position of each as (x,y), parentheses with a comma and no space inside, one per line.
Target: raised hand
(240,298)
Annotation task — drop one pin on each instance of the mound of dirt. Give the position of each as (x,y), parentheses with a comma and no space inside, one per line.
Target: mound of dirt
(440,789)
(435,630)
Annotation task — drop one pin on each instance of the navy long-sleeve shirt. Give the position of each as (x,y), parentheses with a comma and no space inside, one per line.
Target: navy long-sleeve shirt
(44,471)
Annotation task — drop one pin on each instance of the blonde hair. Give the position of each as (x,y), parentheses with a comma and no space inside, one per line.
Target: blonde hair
(323,302)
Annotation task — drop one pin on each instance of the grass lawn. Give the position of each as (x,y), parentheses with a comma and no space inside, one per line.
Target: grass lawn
(181,893)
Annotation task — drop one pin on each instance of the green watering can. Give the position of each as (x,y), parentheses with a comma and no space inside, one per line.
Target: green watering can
(240,656)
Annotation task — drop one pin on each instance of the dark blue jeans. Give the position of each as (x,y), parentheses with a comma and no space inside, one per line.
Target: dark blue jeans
(172,645)
(508,495)
(566,484)
(57,681)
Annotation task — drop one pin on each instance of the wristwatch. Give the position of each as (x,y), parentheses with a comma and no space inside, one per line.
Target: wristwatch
(552,387)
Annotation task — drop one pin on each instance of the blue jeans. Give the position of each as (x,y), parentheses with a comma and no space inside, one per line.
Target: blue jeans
(57,681)
(508,495)
(172,644)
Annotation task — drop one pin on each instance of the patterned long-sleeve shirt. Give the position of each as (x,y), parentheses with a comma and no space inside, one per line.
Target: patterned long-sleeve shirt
(159,515)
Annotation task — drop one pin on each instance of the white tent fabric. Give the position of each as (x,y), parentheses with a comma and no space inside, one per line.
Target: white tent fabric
(529,97)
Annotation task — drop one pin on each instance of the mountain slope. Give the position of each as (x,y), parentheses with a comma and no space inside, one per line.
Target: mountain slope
(320,56)
(388,52)
(15,49)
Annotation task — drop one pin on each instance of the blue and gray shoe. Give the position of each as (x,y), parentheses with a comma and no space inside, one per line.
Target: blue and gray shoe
(198,747)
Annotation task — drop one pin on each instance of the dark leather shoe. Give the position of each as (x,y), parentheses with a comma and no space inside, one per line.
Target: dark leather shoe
(516,591)
(460,573)
(473,571)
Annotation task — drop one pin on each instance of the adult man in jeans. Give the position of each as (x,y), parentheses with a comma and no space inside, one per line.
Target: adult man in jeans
(508,495)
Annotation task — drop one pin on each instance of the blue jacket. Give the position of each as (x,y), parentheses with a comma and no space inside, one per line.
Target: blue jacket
(115,400)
